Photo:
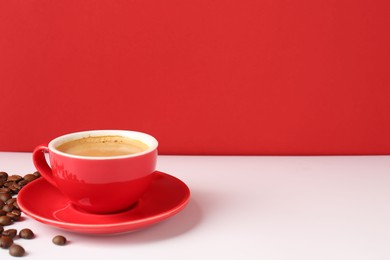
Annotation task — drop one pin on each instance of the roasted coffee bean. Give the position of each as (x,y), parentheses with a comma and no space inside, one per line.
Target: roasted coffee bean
(5,196)
(3,176)
(11,201)
(8,207)
(14,217)
(15,188)
(6,242)
(37,174)
(16,212)
(10,233)
(22,183)
(5,220)
(8,183)
(59,240)
(26,233)
(16,250)
(16,205)
(14,178)
(5,190)
(30,177)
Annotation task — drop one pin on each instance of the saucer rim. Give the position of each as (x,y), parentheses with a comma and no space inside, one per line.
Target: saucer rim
(97,228)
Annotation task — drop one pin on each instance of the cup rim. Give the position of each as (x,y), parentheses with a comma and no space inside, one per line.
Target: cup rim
(141,136)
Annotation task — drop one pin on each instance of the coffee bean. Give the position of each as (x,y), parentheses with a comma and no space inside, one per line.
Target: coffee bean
(16,250)
(5,196)
(26,233)
(30,177)
(22,183)
(13,216)
(11,201)
(59,240)
(8,207)
(7,184)
(5,220)
(10,233)
(6,242)
(16,212)
(16,205)
(4,190)
(14,178)
(3,176)
(15,188)
(2,212)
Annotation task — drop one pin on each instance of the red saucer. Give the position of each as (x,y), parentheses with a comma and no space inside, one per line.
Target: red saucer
(165,197)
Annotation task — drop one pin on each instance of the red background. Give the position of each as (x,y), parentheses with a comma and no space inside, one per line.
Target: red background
(203,77)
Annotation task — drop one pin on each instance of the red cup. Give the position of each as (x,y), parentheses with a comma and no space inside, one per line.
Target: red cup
(99,184)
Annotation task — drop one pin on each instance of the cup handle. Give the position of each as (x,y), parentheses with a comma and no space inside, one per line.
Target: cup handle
(41,164)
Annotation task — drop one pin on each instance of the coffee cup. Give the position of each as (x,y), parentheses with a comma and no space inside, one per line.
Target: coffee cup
(99,171)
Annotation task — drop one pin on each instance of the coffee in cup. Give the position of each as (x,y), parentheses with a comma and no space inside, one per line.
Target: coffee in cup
(102,146)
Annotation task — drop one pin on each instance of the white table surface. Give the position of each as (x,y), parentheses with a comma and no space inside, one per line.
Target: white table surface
(246,208)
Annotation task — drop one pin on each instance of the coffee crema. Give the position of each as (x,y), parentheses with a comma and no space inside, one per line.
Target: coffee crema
(103,146)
